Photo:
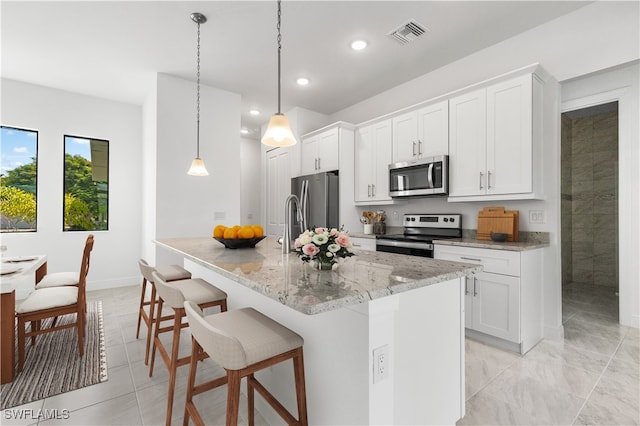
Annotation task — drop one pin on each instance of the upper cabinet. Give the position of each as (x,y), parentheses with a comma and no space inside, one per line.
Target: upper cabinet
(320,152)
(372,158)
(421,133)
(493,141)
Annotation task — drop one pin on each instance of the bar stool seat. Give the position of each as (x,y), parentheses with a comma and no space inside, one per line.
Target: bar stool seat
(175,294)
(243,341)
(167,273)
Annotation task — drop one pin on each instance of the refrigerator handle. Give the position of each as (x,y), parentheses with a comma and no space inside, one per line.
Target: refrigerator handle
(304,197)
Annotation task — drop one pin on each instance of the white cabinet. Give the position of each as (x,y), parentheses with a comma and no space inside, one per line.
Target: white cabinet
(505,300)
(421,133)
(320,152)
(492,142)
(368,244)
(372,158)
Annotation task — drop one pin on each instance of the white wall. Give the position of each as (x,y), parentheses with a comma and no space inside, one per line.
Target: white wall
(621,84)
(55,113)
(251,184)
(148,169)
(185,205)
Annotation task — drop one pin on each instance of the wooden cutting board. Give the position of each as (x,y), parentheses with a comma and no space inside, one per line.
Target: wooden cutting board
(498,220)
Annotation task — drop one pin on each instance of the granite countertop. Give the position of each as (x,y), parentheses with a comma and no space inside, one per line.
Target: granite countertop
(485,244)
(285,278)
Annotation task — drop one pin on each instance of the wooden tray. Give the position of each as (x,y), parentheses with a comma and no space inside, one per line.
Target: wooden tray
(497,219)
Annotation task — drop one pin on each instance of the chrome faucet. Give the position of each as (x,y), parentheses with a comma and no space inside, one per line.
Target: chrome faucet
(286,237)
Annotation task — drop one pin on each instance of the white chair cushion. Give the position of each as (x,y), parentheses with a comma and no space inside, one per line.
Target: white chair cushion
(48,298)
(59,279)
(172,273)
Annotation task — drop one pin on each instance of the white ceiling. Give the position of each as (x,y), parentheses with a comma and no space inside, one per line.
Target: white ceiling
(112,49)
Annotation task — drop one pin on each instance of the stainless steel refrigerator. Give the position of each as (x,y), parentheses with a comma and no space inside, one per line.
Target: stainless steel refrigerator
(319,200)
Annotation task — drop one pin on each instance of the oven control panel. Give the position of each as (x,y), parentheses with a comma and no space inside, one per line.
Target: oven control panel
(433,221)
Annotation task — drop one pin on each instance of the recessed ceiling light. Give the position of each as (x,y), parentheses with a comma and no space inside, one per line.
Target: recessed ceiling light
(358,45)
(244,131)
(254,112)
(302,81)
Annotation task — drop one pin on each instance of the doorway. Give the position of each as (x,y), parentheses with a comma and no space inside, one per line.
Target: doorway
(589,211)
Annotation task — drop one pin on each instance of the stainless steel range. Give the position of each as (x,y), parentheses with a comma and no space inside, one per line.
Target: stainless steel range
(419,232)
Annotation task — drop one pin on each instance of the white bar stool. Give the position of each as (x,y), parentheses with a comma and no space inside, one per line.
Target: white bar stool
(167,273)
(175,294)
(243,341)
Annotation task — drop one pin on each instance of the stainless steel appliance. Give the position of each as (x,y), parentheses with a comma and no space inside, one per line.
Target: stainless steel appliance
(419,232)
(319,200)
(429,176)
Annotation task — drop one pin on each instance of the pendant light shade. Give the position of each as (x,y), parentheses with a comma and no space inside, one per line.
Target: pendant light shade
(197,165)
(278,131)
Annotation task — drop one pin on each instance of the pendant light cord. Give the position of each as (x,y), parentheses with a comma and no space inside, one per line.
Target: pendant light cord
(198,99)
(279,49)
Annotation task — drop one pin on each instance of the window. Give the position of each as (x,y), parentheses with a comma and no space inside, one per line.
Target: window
(18,179)
(86,184)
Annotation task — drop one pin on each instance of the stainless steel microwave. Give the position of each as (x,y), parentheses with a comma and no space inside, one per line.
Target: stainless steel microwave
(428,176)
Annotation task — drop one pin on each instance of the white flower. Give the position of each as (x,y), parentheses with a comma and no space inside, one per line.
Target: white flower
(320,239)
(329,254)
(333,248)
(304,239)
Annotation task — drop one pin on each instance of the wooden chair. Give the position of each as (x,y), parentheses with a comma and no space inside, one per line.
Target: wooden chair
(60,279)
(53,302)
(243,341)
(175,294)
(167,273)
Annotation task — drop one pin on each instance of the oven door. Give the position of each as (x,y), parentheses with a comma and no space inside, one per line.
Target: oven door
(425,177)
(405,247)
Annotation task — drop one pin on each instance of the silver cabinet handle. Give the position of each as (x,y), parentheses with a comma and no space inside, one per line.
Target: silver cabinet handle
(488,180)
(368,190)
(319,166)
(475,293)
(471,258)
(481,174)
(315,164)
(419,147)
(414,148)
(466,288)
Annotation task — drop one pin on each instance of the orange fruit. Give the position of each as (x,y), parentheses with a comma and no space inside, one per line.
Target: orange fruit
(230,233)
(218,231)
(257,231)
(245,232)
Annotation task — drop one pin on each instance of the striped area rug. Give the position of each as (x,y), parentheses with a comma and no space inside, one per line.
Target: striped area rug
(53,365)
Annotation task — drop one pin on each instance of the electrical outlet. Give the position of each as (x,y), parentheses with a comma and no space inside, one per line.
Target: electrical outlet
(536,217)
(219,215)
(380,363)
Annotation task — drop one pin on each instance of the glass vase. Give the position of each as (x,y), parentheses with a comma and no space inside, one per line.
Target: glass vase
(322,265)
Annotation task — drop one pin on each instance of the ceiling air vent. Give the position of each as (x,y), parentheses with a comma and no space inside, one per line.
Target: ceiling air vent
(408,32)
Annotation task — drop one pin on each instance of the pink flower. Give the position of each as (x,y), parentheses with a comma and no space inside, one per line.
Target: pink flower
(343,240)
(319,230)
(297,244)
(310,249)
(334,232)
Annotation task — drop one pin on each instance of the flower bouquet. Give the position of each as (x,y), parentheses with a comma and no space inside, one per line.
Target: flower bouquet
(323,246)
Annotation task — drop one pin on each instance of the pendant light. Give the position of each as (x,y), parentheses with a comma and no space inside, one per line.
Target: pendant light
(197,165)
(279,131)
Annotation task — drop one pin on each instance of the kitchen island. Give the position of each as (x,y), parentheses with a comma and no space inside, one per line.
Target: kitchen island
(408,310)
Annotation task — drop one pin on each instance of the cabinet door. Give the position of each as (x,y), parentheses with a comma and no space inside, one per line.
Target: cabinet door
(496,306)
(309,155)
(364,154)
(433,130)
(467,144)
(382,146)
(468,302)
(278,188)
(328,151)
(405,137)
(509,137)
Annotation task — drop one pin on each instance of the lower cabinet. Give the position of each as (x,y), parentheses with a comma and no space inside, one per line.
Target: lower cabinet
(504,302)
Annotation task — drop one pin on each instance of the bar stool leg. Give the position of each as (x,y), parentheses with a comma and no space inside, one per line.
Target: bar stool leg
(193,365)
(250,400)
(233,396)
(173,367)
(155,336)
(152,318)
(142,294)
(298,369)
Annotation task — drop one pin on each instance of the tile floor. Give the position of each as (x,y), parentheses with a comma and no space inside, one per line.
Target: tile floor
(590,378)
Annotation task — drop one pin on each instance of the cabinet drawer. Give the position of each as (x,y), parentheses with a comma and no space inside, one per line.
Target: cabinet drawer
(494,261)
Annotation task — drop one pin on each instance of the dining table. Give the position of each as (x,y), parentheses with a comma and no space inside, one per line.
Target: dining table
(15,272)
